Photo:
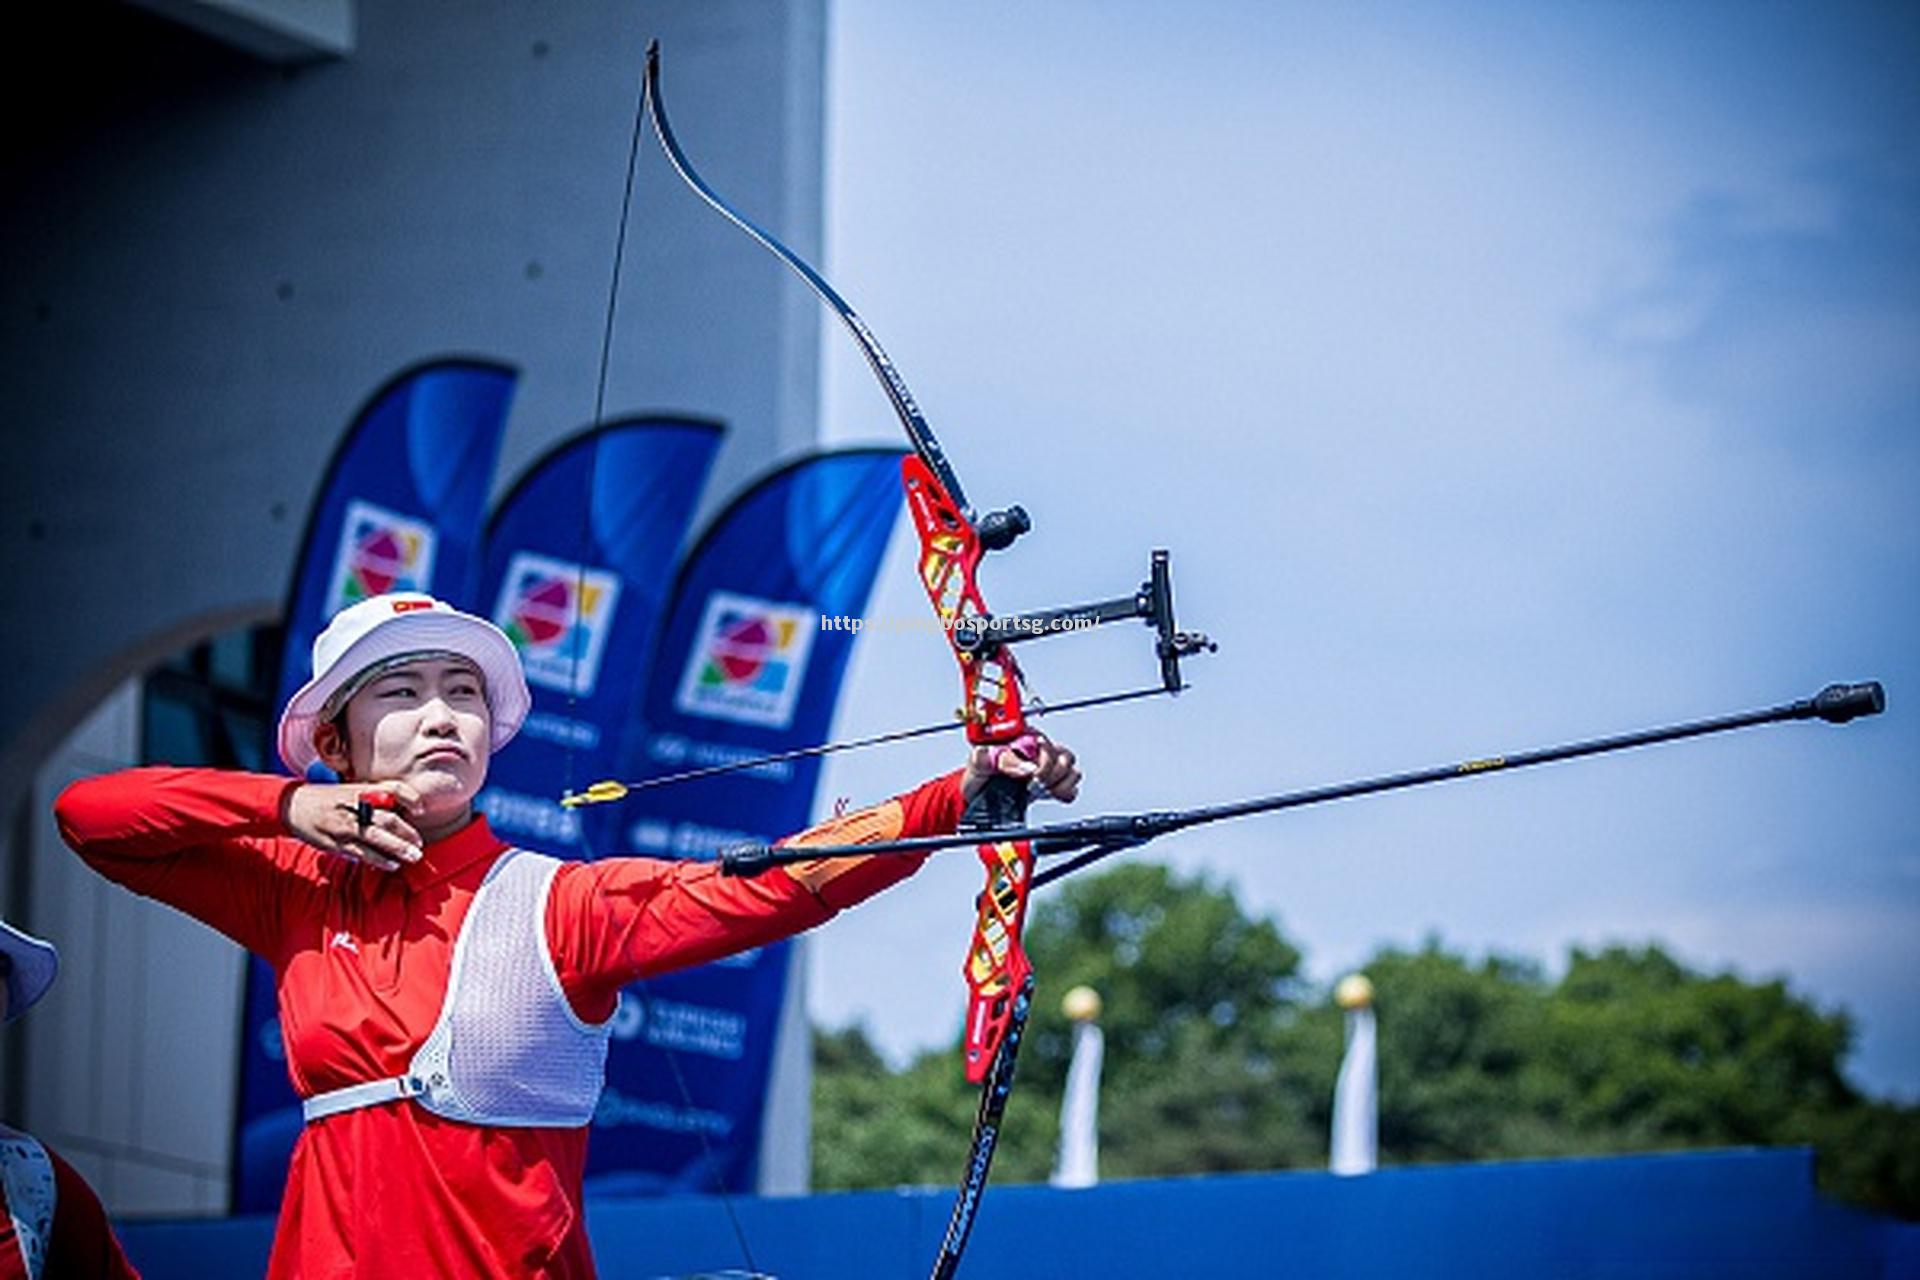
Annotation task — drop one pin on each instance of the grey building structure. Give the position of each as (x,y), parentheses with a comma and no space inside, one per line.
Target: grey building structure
(227,222)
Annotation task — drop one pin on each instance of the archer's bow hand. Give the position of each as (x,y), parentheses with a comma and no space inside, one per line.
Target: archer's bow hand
(1044,765)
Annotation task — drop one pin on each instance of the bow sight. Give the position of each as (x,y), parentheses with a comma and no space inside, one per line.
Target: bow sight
(1153,603)
(979,638)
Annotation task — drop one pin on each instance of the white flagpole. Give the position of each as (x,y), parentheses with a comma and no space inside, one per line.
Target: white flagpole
(1355,1139)
(1078,1164)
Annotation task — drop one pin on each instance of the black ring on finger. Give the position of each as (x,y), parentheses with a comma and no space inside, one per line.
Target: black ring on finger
(364,813)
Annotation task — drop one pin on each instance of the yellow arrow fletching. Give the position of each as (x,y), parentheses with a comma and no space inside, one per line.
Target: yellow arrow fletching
(598,793)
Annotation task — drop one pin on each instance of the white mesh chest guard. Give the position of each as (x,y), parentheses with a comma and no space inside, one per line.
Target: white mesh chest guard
(508,1048)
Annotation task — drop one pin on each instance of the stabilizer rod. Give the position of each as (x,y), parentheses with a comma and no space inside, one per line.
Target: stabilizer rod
(1098,837)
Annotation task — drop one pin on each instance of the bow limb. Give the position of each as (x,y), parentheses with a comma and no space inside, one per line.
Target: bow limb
(919,433)
(952,541)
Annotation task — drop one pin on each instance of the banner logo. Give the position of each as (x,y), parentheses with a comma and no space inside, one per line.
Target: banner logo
(748,661)
(558,615)
(380,551)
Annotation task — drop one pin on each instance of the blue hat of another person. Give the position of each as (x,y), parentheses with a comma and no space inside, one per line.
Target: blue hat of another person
(31,964)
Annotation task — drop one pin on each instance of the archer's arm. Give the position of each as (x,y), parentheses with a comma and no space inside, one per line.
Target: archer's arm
(209,842)
(618,919)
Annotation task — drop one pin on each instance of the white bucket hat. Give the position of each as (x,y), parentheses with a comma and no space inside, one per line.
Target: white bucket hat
(378,630)
(31,966)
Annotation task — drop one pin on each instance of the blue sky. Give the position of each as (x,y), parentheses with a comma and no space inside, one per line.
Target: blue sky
(1498,375)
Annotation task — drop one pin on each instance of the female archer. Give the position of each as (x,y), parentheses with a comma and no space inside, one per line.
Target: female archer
(445,999)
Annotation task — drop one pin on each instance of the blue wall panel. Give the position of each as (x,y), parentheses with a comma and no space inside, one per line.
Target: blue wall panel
(1751,1214)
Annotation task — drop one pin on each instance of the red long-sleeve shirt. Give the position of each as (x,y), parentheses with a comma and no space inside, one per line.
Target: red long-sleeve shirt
(361,958)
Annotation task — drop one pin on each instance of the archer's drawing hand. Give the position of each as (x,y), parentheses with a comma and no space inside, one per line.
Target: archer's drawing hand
(362,821)
(1043,764)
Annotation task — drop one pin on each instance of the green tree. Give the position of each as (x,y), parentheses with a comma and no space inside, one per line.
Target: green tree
(1220,1056)
(1645,1049)
(1197,997)
(876,1128)
(1456,1051)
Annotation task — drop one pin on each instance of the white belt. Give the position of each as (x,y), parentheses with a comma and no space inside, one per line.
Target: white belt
(355,1096)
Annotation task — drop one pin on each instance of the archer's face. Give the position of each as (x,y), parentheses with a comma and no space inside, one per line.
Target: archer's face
(426,724)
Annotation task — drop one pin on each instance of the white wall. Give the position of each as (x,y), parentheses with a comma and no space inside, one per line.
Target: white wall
(131,1058)
(212,262)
